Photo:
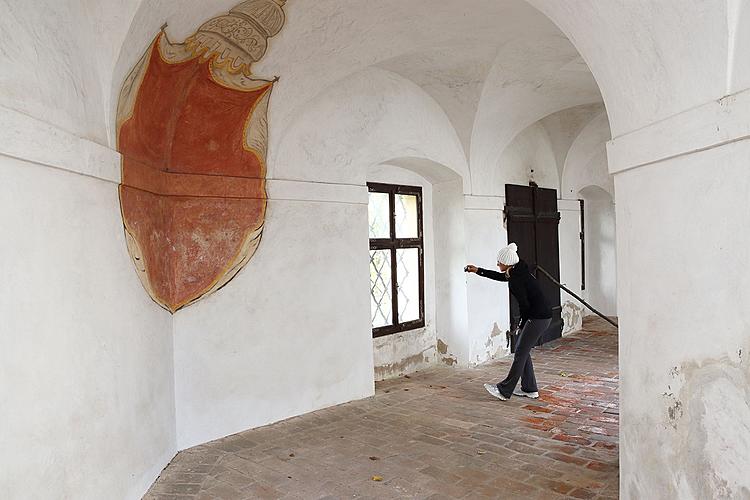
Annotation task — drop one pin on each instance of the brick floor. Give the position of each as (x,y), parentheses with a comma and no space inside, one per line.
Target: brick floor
(436,434)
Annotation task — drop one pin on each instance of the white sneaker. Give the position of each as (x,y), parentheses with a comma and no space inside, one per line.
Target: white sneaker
(520,392)
(492,389)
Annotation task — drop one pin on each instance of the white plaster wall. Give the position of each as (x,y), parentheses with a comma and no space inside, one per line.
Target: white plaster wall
(87,359)
(585,175)
(738,24)
(406,352)
(46,42)
(601,250)
(290,333)
(488,301)
(451,313)
(570,264)
(684,293)
(58,60)
(403,353)
(86,378)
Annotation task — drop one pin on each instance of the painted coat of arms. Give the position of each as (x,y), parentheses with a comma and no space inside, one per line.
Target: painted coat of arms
(192,130)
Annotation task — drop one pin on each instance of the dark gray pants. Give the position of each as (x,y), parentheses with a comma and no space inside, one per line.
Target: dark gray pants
(522,367)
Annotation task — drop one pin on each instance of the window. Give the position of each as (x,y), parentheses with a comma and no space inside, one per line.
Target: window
(396,258)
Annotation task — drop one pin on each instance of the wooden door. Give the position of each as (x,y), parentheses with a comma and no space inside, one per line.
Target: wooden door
(532,222)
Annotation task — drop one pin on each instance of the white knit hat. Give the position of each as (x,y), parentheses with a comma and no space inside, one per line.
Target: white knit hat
(508,255)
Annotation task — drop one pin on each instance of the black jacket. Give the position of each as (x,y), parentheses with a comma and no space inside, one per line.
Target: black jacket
(525,289)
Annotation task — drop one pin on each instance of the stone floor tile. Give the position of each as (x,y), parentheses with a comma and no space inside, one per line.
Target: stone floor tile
(436,435)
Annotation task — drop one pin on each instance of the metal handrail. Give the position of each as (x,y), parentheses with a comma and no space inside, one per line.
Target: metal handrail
(553,280)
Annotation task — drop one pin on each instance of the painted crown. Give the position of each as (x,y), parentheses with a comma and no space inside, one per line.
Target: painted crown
(268,15)
(239,38)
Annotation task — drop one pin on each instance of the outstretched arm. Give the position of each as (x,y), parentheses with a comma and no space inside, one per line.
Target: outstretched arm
(486,273)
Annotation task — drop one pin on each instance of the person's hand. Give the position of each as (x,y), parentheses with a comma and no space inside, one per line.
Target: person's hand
(471,268)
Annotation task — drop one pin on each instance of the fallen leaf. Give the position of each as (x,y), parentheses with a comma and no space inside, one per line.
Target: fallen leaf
(377,478)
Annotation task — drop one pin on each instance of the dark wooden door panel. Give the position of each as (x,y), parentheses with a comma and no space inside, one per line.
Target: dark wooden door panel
(532,222)
(548,254)
(521,230)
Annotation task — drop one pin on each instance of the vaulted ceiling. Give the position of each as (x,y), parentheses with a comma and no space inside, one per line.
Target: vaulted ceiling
(493,68)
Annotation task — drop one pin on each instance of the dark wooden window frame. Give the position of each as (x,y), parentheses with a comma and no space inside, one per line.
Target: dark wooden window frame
(393,243)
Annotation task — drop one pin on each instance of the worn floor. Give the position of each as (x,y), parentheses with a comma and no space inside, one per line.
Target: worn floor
(436,434)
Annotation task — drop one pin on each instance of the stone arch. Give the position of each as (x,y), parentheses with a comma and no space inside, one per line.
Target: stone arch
(364,120)
(642,70)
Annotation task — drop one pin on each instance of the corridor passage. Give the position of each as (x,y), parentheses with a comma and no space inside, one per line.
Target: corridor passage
(435,434)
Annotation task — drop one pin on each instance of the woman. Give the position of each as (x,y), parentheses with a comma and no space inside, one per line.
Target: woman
(535,319)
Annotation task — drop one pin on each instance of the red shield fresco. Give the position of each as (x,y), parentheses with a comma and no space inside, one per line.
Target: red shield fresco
(193,187)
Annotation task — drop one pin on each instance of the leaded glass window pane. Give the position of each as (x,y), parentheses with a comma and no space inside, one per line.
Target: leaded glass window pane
(381,305)
(379,209)
(406,216)
(407,272)
(396,274)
